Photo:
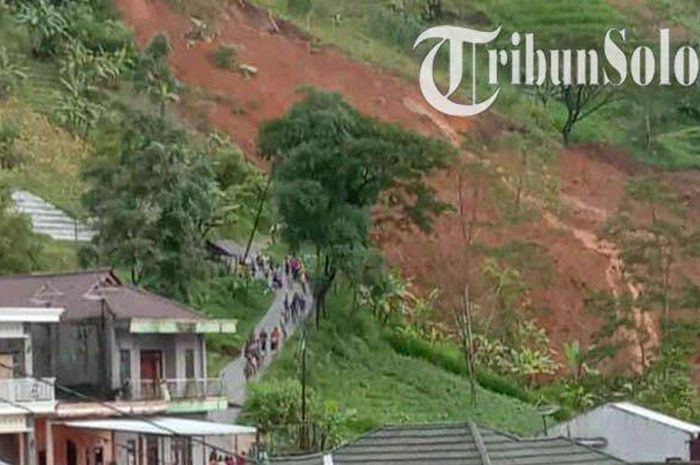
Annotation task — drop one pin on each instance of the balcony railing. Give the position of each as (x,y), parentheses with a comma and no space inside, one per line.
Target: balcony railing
(175,389)
(27,390)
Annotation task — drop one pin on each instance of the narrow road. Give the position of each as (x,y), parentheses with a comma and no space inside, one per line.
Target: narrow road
(233,374)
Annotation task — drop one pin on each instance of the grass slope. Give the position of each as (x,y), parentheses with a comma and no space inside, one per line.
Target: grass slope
(353,365)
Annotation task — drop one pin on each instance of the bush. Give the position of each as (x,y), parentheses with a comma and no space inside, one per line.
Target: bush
(224,57)
(300,7)
(449,358)
(11,74)
(396,29)
(10,155)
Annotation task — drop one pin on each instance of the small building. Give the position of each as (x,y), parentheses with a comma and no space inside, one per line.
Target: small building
(229,252)
(119,353)
(635,434)
(21,395)
(453,444)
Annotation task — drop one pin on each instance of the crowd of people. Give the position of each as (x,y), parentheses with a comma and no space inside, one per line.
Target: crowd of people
(266,341)
(238,459)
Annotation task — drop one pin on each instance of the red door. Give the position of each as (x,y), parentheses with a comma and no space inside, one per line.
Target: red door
(151,372)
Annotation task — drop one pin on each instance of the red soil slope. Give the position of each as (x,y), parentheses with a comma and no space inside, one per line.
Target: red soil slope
(590,187)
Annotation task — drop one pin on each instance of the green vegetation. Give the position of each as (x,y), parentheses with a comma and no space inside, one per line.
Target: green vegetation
(352,365)
(224,57)
(230,297)
(383,33)
(156,199)
(331,165)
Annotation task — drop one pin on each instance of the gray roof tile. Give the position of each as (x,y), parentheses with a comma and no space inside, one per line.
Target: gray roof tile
(457,444)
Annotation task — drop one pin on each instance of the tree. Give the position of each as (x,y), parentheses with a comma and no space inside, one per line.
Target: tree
(153,76)
(47,26)
(11,74)
(154,199)
(463,322)
(432,10)
(581,101)
(19,248)
(332,165)
(653,233)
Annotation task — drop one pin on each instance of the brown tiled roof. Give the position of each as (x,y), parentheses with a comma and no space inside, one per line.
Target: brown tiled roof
(84,294)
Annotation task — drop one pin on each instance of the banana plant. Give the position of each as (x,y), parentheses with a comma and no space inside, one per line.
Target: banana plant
(47,26)
(11,74)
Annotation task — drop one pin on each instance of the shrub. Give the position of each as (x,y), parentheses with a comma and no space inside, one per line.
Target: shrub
(11,74)
(449,358)
(47,26)
(10,155)
(396,29)
(224,57)
(300,7)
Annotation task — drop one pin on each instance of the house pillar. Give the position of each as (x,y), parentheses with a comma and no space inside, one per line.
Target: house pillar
(28,444)
(28,353)
(49,443)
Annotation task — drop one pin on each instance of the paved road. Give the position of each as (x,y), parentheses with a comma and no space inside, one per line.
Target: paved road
(233,374)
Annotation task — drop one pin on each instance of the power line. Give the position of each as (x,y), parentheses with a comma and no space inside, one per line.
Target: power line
(121,412)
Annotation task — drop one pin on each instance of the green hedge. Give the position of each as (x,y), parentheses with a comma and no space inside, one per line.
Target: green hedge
(449,358)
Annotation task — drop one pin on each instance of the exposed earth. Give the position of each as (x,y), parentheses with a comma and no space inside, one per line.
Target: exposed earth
(591,178)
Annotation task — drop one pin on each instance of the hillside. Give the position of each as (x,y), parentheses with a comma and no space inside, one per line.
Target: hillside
(352,367)
(582,186)
(576,251)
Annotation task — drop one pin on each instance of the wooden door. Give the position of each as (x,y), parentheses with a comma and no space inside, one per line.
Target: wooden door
(151,372)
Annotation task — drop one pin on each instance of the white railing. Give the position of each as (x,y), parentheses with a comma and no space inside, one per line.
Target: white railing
(177,389)
(27,390)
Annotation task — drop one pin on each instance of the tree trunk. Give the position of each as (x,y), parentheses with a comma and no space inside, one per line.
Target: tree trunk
(258,215)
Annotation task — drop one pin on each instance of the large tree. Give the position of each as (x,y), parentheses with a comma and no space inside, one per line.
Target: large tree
(331,165)
(154,199)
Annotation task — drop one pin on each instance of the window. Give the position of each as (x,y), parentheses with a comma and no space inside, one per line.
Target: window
(189,364)
(131,452)
(182,451)
(124,365)
(152,452)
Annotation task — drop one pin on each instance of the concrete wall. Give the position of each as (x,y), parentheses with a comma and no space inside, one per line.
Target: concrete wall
(87,353)
(86,442)
(73,352)
(173,347)
(630,437)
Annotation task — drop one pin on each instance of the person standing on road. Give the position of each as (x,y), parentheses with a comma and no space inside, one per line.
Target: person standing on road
(274,339)
(263,342)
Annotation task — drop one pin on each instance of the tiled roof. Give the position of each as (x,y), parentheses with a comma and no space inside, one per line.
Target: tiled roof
(85,294)
(456,444)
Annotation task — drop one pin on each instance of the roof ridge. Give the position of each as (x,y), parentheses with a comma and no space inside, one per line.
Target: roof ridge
(55,274)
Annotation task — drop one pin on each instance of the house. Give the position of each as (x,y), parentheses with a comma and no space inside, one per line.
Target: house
(453,444)
(229,252)
(117,354)
(635,433)
(22,396)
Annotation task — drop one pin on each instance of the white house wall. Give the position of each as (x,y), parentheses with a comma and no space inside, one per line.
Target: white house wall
(630,437)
